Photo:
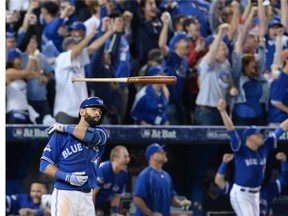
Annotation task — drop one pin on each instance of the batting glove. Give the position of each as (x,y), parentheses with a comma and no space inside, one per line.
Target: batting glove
(76,178)
(60,128)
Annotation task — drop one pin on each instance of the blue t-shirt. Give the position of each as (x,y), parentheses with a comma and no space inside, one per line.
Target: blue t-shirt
(156,189)
(174,65)
(109,183)
(251,108)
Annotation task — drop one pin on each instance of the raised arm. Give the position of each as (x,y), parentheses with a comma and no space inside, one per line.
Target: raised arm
(163,38)
(284,14)
(225,117)
(235,20)
(109,29)
(223,29)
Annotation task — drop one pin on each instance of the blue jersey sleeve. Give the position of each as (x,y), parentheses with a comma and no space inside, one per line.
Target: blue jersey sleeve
(52,149)
(100,176)
(142,188)
(235,141)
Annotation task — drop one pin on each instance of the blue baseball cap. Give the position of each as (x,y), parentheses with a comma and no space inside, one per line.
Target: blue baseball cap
(155,70)
(13,54)
(274,22)
(152,149)
(209,40)
(176,38)
(77,25)
(10,35)
(251,130)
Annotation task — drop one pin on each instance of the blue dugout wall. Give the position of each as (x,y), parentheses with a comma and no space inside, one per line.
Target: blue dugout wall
(194,154)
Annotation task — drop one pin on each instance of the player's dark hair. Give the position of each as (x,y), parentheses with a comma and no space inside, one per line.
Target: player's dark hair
(92,6)
(155,55)
(114,15)
(177,21)
(246,59)
(51,7)
(188,21)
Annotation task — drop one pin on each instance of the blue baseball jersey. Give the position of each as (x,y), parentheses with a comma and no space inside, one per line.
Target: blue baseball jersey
(109,183)
(156,189)
(72,155)
(268,192)
(18,201)
(250,165)
(279,94)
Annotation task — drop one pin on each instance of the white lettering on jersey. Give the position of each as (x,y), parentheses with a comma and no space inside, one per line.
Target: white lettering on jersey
(254,161)
(72,150)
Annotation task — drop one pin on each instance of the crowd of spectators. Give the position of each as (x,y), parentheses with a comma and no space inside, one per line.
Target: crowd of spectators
(236,50)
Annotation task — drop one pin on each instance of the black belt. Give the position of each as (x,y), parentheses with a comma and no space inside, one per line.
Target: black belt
(207,107)
(249,191)
(85,190)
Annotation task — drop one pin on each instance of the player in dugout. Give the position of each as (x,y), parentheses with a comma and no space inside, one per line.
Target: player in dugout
(111,179)
(250,155)
(268,191)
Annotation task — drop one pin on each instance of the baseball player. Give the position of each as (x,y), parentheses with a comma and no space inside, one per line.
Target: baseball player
(27,204)
(250,155)
(72,156)
(268,191)
(154,191)
(111,179)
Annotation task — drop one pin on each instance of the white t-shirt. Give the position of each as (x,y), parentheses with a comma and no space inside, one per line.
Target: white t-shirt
(16,96)
(70,95)
(90,23)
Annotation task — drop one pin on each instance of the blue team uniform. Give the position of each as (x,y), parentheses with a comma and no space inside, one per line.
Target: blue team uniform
(70,155)
(156,189)
(268,192)
(109,183)
(250,165)
(16,202)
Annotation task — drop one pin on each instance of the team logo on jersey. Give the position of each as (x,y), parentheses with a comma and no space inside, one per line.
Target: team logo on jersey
(223,79)
(47,148)
(96,161)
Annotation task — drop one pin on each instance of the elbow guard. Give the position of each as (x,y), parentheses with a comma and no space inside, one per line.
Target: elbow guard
(95,136)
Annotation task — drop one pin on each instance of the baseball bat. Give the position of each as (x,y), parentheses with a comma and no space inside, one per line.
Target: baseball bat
(139,79)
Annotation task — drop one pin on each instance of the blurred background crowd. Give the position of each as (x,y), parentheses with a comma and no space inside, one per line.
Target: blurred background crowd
(235,50)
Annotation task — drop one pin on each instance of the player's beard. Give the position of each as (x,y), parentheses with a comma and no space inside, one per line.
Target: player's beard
(90,120)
